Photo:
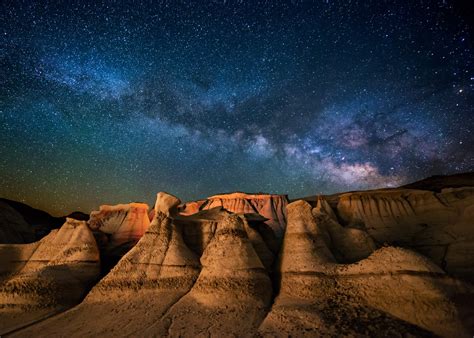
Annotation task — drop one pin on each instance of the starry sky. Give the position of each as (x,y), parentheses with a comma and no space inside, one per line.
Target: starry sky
(111,102)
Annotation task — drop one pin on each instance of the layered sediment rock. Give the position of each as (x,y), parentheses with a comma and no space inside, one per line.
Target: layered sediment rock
(137,292)
(272,207)
(232,293)
(348,244)
(49,276)
(380,295)
(117,229)
(198,230)
(339,270)
(438,225)
(124,223)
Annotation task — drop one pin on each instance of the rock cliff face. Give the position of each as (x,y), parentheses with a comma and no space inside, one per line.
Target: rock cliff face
(117,229)
(438,225)
(380,295)
(44,278)
(123,222)
(389,262)
(272,207)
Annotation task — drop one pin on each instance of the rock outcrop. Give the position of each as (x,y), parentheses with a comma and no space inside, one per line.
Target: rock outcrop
(438,225)
(138,291)
(367,263)
(44,278)
(198,230)
(380,295)
(117,228)
(272,207)
(232,293)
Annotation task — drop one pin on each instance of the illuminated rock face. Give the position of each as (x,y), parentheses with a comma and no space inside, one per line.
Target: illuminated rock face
(272,207)
(123,222)
(42,278)
(138,291)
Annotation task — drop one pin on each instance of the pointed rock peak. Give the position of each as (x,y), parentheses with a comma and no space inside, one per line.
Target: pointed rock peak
(167,203)
(303,247)
(302,218)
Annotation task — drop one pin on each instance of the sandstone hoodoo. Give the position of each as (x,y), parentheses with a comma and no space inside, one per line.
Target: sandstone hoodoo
(198,230)
(51,275)
(233,291)
(137,292)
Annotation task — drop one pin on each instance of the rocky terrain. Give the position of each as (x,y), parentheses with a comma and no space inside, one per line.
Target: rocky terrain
(387,262)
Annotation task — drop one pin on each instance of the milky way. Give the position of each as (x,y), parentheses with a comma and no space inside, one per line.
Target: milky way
(108,103)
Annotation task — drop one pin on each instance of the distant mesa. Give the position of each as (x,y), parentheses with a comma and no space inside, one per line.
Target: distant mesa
(384,262)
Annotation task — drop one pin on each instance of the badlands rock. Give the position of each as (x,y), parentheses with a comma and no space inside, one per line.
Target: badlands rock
(271,207)
(348,244)
(167,204)
(124,223)
(136,293)
(198,230)
(438,225)
(48,276)
(117,229)
(381,295)
(232,293)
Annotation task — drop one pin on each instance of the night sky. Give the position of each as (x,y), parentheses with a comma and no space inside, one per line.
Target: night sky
(110,103)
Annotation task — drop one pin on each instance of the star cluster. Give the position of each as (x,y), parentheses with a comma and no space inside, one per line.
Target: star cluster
(111,102)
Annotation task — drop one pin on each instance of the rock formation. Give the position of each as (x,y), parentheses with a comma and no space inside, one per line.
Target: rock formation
(367,263)
(438,225)
(198,230)
(138,291)
(232,293)
(123,222)
(271,207)
(380,295)
(117,229)
(44,278)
